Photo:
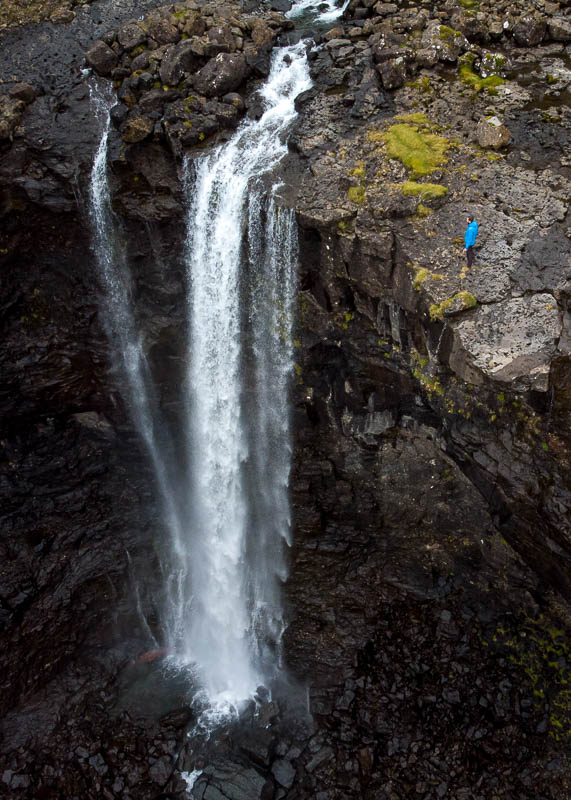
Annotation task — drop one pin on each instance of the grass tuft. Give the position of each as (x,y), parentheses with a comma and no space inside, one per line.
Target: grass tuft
(427,191)
(419,151)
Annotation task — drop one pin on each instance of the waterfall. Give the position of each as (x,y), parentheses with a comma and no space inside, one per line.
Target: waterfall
(223,616)
(241,253)
(325,12)
(108,242)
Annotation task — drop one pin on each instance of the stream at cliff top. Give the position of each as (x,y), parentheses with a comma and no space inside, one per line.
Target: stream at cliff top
(225,500)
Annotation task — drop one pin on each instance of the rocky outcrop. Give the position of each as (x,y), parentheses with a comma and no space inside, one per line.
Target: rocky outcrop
(170,64)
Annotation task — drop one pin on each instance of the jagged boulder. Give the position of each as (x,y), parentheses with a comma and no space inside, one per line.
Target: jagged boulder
(221,75)
(141,61)
(22,91)
(283,772)
(136,127)
(260,32)
(529,31)
(445,41)
(475,27)
(393,72)
(222,39)
(494,64)
(131,35)
(386,9)
(162,30)
(195,24)
(232,781)
(383,53)
(154,100)
(492,132)
(179,60)
(101,58)
(511,341)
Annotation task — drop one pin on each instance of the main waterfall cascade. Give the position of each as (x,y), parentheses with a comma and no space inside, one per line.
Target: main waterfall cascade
(223,614)
(238,437)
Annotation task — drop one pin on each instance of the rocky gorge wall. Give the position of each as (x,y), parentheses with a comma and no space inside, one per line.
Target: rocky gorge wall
(429,575)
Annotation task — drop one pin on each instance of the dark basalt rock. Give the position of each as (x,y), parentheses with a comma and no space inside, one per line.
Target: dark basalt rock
(102,58)
(231,780)
(393,72)
(131,35)
(281,5)
(162,31)
(559,29)
(178,61)
(136,127)
(222,74)
(22,91)
(529,31)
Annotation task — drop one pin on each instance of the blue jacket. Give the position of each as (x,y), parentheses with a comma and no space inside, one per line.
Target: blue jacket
(471,233)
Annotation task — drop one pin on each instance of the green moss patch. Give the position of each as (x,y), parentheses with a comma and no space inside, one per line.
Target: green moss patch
(470,78)
(449,36)
(430,384)
(466,299)
(419,151)
(356,194)
(358,171)
(416,117)
(423,84)
(427,191)
(421,274)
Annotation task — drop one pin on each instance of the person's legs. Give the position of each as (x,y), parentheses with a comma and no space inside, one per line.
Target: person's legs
(470,256)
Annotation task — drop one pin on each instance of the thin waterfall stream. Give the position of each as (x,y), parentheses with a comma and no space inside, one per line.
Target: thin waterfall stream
(223,618)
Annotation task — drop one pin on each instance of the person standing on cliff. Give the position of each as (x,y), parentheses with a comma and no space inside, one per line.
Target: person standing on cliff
(470,239)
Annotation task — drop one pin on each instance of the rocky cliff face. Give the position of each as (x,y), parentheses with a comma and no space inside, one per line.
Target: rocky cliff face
(429,574)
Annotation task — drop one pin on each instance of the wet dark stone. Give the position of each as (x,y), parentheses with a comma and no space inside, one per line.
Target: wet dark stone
(119,114)
(102,58)
(267,713)
(257,744)
(178,718)
(283,772)
(223,74)
(232,781)
(281,5)
(160,770)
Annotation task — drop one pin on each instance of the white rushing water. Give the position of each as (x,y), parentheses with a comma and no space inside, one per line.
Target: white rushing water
(332,11)
(223,616)
(119,315)
(241,255)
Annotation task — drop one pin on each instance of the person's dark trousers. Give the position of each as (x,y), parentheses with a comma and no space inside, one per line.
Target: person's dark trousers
(470,256)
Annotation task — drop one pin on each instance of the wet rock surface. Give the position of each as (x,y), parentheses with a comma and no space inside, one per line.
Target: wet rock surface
(429,583)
